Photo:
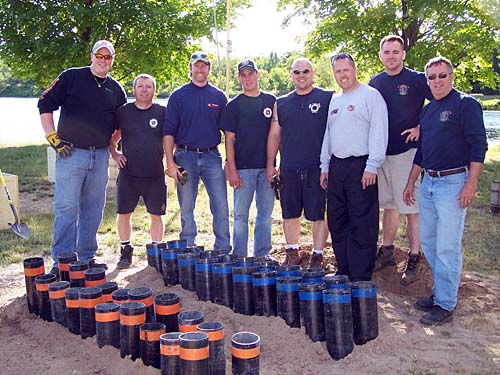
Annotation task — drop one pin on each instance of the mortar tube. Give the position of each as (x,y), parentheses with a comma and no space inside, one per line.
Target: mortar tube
(33,267)
(312,275)
(264,293)
(312,311)
(63,261)
(204,279)
(364,311)
(189,320)
(217,357)
(167,308)
(107,289)
(42,289)
(187,273)
(120,296)
(149,336)
(94,277)
(153,252)
(287,300)
(77,273)
(170,362)
(243,290)
(336,281)
(144,295)
(177,244)
(88,299)
(338,322)
(193,353)
(170,267)
(245,353)
(289,270)
(107,322)
(57,297)
(223,284)
(73,310)
(132,316)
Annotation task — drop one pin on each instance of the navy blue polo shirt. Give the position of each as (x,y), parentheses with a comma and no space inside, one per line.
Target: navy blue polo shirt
(452,133)
(303,122)
(249,118)
(404,94)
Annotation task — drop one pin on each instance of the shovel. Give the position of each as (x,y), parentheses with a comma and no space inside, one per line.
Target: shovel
(21,230)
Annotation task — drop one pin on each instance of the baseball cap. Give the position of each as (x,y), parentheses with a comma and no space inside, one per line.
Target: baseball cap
(199,56)
(247,64)
(103,44)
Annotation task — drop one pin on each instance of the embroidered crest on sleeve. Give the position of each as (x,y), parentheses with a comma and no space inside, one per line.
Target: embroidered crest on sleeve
(47,90)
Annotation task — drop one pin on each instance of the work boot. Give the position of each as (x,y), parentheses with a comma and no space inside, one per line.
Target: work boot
(292,257)
(425,303)
(125,257)
(316,260)
(55,271)
(436,316)
(94,264)
(385,257)
(413,267)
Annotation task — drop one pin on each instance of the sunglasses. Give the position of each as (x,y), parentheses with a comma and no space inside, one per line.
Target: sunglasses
(100,56)
(432,77)
(195,57)
(303,71)
(341,55)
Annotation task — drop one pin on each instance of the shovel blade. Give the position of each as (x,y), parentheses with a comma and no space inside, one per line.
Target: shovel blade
(21,230)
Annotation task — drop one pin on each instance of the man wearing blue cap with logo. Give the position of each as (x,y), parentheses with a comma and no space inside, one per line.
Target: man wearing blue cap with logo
(246,122)
(191,126)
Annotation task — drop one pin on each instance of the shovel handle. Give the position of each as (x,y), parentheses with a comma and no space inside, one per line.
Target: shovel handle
(11,202)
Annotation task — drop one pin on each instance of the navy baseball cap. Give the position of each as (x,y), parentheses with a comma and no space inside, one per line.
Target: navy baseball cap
(247,64)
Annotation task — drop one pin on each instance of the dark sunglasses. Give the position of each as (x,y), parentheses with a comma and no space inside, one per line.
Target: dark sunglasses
(100,56)
(303,71)
(199,56)
(341,55)
(432,77)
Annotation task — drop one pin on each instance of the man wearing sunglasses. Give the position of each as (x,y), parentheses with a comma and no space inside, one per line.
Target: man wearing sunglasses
(246,122)
(191,126)
(451,156)
(404,91)
(88,98)
(353,149)
(297,129)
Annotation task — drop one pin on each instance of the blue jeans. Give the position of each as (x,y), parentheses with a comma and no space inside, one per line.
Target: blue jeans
(208,167)
(441,229)
(79,197)
(253,181)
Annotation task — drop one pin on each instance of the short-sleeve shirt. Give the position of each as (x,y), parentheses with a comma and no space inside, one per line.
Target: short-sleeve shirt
(88,105)
(142,139)
(303,121)
(404,94)
(249,118)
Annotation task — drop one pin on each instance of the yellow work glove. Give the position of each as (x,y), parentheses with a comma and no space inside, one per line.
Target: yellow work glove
(62,147)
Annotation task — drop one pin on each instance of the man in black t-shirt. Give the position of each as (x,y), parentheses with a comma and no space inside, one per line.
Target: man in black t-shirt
(140,125)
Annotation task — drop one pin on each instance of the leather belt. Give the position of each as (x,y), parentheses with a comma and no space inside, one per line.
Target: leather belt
(195,149)
(447,172)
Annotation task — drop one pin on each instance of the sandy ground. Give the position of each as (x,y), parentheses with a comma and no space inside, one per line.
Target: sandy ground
(468,345)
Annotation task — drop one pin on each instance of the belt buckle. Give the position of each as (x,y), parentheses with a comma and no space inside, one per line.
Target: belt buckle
(199,151)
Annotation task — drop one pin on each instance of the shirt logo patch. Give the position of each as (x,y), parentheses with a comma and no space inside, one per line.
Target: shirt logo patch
(403,89)
(213,105)
(47,90)
(314,107)
(444,116)
(335,111)
(153,123)
(267,112)
(350,108)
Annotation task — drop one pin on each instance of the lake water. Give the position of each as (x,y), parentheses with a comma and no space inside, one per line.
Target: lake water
(20,122)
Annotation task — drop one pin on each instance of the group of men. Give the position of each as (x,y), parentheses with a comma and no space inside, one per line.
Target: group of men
(345,154)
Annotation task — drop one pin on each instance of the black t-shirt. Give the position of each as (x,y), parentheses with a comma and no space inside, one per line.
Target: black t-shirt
(142,139)
(87,110)
(303,122)
(250,119)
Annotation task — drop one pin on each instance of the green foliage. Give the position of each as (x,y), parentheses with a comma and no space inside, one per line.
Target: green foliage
(39,39)
(467,32)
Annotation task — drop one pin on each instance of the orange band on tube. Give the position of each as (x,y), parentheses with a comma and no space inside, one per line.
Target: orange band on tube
(34,271)
(169,350)
(215,335)
(73,303)
(64,267)
(245,353)
(94,283)
(90,303)
(42,287)
(107,298)
(119,302)
(76,275)
(151,335)
(56,294)
(107,317)
(132,320)
(168,310)
(193,354)
(184,329)
(148,301)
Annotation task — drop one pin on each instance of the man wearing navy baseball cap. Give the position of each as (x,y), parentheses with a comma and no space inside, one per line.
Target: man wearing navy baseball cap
(246,122)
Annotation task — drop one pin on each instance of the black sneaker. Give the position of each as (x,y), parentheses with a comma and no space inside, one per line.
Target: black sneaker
(125,257)
(316,261)
(413,267)
(437,316)
(385,258)
(94,264)
(55,271)
(425,303)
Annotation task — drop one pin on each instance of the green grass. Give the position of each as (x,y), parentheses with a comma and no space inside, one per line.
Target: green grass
(480,244)
(489,102)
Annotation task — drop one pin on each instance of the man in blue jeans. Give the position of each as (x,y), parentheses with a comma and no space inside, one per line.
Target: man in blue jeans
(451,155)
(246,122)
(192,126)
(88,98)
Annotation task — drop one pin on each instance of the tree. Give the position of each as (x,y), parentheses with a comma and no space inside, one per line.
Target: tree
(39,39)
(465,31)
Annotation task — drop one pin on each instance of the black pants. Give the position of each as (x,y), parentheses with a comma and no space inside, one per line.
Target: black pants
(353,217)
